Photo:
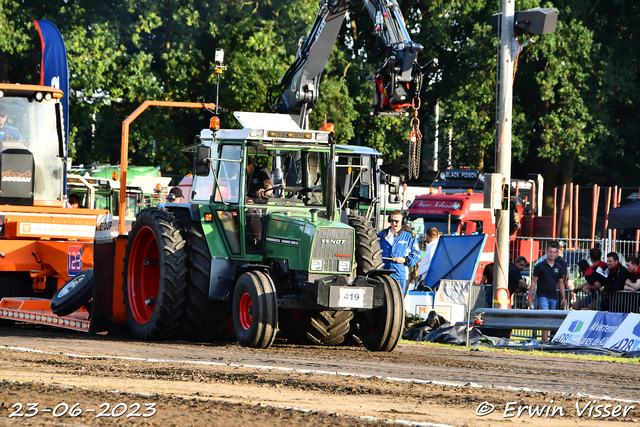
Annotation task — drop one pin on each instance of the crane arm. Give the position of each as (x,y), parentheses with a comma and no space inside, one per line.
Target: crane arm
(396,84)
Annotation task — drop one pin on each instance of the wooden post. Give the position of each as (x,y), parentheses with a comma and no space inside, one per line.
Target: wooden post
(577,215)
(562,199)
(570,216)
(606,212)
(594,212)
(553,219)
(614,204)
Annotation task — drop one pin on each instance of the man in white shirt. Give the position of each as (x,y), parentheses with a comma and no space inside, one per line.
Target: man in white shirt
(432,239)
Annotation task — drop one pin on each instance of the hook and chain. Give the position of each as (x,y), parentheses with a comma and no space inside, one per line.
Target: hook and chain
(415,141)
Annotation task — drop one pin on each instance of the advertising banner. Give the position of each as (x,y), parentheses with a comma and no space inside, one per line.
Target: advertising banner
(616,331)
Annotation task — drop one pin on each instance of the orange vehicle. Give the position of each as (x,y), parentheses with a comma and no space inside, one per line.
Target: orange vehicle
(43,244)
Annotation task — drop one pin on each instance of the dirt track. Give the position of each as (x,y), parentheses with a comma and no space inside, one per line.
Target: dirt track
(225,384)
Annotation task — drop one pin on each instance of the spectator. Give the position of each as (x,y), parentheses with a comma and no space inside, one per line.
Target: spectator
(517,284)
(399,248)
(595,276)
(616,279)
(548,277)
(432,236)
(175,195)
(487,282)
(633,283)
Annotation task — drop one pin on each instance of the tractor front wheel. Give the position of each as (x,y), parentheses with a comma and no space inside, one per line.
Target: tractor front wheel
(255,310)
(381,328)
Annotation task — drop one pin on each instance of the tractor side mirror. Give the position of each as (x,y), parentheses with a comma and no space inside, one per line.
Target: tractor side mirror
(366,174)
(202,165)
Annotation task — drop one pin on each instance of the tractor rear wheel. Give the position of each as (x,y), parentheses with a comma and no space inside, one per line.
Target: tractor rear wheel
(255,310)
(154,275)
(326,327)
(368,252)
(380,329)
(203,318)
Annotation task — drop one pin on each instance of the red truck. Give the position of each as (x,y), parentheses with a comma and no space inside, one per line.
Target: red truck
(463,213)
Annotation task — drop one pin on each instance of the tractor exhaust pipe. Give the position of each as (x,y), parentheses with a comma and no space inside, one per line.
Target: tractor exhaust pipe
(331,179)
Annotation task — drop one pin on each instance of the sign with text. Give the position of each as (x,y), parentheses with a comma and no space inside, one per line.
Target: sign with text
(617,331)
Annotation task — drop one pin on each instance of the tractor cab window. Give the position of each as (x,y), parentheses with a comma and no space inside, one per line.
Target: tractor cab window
(228,172)
(30,129)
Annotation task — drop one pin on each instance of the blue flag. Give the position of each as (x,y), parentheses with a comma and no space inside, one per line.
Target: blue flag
(54,71)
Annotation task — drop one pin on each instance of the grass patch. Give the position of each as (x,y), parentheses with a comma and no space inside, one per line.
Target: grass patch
(531,352)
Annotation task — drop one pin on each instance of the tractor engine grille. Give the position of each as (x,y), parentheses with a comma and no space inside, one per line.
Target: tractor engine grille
(333,245)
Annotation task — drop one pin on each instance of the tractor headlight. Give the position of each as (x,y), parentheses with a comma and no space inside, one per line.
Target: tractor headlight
(344,265)
(316,265)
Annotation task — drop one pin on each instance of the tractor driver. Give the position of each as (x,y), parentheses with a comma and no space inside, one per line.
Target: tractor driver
(7,132)
(258,181)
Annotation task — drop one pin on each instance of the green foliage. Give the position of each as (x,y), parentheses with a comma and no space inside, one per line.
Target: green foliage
(575,93)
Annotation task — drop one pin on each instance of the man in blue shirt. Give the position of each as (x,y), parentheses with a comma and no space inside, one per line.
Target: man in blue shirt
(399,248)
(7,132)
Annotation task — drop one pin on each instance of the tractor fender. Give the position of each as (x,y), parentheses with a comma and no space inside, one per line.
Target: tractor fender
(225,274)
(378,272)
(251,267)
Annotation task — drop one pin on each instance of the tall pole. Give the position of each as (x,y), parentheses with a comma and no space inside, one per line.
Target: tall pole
(503,166)
(435,140)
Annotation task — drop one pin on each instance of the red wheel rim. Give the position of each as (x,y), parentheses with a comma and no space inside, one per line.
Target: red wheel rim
(143,275)
(244,311)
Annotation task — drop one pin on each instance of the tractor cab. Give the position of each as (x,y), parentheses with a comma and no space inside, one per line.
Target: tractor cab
(31,146)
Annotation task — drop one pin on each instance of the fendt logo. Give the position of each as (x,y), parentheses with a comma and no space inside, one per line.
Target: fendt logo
(333,241)
(11,176)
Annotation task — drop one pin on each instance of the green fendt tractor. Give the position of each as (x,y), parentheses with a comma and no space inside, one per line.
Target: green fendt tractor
(284,262)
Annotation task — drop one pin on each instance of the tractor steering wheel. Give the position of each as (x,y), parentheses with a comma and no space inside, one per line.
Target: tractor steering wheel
(291,192)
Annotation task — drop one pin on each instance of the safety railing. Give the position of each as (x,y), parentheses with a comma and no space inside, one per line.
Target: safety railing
(624,302)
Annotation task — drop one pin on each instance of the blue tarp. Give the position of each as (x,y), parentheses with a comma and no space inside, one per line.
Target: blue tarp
(455,258)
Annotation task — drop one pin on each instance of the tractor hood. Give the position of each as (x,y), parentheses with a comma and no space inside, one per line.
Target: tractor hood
(319,246)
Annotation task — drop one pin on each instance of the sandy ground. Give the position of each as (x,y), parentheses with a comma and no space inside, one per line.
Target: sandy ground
(55,377)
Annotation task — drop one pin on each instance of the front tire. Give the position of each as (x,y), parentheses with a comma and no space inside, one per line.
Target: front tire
(255,310)
(73,294)
(381,328)
(154,276)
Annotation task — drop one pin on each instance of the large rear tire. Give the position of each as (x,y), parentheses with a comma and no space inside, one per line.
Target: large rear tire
(368,252)
(255,310)
(203,318)
(327,327)
(380,329)
(154,276)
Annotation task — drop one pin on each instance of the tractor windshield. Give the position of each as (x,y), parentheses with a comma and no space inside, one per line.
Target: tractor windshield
(29,128)
(295,176)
